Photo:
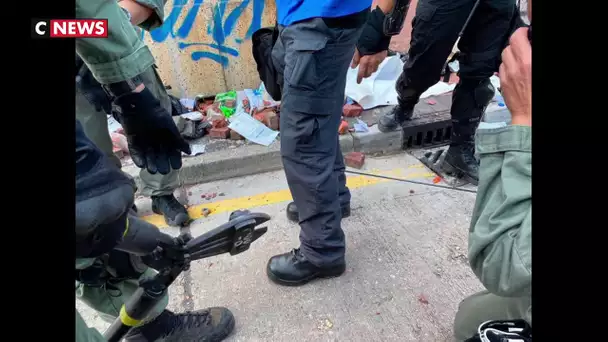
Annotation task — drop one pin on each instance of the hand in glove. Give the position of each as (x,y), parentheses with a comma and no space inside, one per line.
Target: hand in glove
(372,46)
(154,141)
(144,239)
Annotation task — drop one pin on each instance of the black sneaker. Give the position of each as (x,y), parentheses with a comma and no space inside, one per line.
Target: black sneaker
(174,212)
(208,325)
(292,212)
(393,120)
(292,269)
(460,161)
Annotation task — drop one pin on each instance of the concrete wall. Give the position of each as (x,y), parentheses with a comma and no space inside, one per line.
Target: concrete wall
(204,46)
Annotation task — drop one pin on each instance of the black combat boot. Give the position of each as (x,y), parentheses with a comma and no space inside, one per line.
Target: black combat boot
(469,101)
(293,269)
(460,161)
(292,211)
(407,100)
(208,325)
(175,214)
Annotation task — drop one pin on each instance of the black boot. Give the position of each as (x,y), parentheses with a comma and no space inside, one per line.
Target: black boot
(208,325)
(175,214)
(407,99)
(469,101)
(292,269)
(292,211)
(460,161)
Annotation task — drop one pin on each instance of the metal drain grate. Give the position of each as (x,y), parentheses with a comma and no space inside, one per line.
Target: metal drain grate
(430,129)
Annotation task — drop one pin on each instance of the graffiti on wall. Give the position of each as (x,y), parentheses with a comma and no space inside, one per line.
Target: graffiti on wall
(220,28)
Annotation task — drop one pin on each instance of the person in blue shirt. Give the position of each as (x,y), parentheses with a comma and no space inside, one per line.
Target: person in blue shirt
(315,46)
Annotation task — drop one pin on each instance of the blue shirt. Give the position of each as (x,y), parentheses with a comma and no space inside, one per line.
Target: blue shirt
(291,11)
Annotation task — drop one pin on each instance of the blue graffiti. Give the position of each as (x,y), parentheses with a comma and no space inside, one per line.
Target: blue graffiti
(220,27)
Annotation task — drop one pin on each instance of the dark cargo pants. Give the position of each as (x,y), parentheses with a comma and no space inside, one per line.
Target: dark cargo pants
(314,59)
(435,29)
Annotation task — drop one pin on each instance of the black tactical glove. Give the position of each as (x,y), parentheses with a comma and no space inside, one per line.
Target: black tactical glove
(157,249)
(154,140)
(372,39)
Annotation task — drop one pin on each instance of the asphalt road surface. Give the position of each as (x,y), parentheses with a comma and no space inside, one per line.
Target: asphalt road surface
(406,252)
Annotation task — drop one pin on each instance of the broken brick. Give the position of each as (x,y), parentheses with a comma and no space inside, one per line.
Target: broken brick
(259,116)
(213,110)
(354,159)
(343,127)
(235,136)
(352,110)
(271,120)
(219,133)
(219,123)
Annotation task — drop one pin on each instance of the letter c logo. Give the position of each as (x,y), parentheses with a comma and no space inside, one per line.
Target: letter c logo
(38,30)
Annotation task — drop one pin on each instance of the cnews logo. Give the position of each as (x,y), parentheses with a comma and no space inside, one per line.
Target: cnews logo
(70,28)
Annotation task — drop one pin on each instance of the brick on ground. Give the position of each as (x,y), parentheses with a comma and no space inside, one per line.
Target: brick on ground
(354,159)
(351,110)
(219,133)
(343,128)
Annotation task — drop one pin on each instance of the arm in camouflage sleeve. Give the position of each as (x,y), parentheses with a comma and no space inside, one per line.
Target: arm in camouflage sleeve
(147,14)
(123,55)
(500,237)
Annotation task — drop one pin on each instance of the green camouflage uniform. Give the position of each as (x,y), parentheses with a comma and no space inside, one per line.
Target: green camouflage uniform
(121,56)
(500,237)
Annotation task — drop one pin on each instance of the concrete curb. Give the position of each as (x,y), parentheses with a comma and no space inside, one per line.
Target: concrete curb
(252,159)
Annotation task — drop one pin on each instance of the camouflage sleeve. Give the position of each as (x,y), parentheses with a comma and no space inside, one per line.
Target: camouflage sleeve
(121,56)
(86,334)
(158,16)
(500,236)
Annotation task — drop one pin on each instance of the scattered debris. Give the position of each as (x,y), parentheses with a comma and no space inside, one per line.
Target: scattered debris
(411,191)
(206,212)
(221,194)
(354,159)
(326,324)
(422,299)
(194,116)
(226,103)
(360,126)
(252,129)
(431,102)
(219,122)
(219,133)
(343,128)
(210,264)
(437,179)
(352,110)
(196,149)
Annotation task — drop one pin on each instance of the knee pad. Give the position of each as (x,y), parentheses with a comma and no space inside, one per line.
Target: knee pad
(123,265)
(469,101)
(482,91)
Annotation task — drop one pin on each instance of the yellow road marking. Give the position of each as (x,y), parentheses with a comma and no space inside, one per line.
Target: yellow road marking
(267,198)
